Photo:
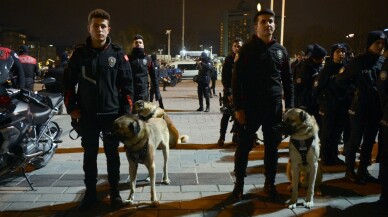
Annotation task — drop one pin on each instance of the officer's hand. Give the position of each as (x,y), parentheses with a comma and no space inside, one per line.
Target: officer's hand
(240,116)
(230,99)
(75,114)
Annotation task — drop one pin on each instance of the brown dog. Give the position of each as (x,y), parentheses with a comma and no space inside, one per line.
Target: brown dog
(304,167)
(147,110)
(141,139)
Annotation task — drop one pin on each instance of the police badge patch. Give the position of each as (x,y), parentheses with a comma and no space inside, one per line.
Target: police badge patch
(111,61)
(315,83)
(341,70)
(383,75)
(279,54)
(144,62)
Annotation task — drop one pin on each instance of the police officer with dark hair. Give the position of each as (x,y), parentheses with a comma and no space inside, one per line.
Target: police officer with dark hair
(203,80)
(261,76)
(333,106)
(226,79)
(99,89)
(30,67)
(382,85)
(142,67)
(360,75)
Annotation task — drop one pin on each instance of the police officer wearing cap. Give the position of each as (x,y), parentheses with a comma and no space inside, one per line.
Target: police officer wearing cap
(261,77)
(30,67)
(382,85)
(360,76)
(142,68)
(99,89)
(305,75)
(333,106)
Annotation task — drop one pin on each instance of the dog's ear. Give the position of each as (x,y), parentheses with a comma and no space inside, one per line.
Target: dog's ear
(134,127)
(302,116)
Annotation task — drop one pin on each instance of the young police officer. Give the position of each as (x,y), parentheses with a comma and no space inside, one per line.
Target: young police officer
(261,74)
(99,88)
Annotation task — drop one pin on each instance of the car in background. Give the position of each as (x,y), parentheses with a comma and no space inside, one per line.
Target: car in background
(188,68)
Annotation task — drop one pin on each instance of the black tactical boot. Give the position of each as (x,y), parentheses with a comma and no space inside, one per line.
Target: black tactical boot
(221,140)
(200,109)
(115,199)
(207,109)
(238,190)
(89,200)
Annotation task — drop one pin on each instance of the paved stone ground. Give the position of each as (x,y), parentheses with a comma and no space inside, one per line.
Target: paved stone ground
(200,171)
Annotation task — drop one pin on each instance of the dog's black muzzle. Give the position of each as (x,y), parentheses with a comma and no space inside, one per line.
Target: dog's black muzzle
(285,128)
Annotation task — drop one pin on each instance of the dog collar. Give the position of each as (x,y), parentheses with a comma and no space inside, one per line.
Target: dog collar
(139,156)
(303,146)
(145,118)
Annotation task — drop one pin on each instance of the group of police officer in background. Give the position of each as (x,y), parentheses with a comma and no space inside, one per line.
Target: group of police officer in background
(349,99)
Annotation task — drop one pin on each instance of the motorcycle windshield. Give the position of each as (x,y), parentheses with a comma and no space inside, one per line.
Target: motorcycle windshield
(5,67)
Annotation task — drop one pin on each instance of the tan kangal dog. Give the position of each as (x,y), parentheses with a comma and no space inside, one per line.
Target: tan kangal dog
(141,139)
(147,110)
(303,168)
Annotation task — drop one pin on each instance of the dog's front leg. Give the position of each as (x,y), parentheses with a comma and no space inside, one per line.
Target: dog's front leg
(151,171)
(310,191)
(295,185)
(132,183)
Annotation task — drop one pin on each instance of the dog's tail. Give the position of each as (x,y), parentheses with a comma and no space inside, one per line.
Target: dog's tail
(183,139)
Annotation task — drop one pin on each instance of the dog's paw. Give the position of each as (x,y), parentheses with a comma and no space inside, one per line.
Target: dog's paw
(309,204)
(291,205)
(129,201)
(155,203)
(166,181)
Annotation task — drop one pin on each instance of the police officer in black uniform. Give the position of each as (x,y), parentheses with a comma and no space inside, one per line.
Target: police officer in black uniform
(30,67)
(333,106)
(382,85)
(261,75)
(305,74)
(157,73)
(226,79)
(203,80)
(11,59)
(360,76)
(99,88)
(142,67)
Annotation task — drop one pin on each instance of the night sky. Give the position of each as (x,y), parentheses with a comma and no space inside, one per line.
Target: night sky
(63,22)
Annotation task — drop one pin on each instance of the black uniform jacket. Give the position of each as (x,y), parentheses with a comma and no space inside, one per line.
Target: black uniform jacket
(262,75)
(98,81)
(382,85)
(326,87)
(226,74)
(359,76)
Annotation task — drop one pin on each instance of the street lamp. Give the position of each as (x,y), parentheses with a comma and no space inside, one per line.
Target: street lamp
(201,46)
(160,51)
(211,52)
(168,32)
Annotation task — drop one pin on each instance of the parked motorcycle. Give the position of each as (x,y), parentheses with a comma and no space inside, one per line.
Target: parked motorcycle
(28,135)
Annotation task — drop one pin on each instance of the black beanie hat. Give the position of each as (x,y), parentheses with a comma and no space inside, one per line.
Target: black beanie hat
(23,49)
(318,52)
(337,46)
(374,36)
(309,49)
